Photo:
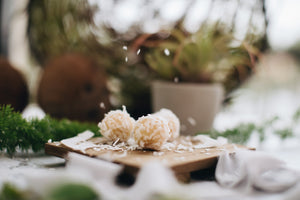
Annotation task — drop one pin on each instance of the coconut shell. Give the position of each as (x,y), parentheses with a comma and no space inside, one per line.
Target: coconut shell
(73,86)
(13,87)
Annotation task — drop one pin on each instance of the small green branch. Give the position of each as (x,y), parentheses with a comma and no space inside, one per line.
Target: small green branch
(242,132)
(18,133)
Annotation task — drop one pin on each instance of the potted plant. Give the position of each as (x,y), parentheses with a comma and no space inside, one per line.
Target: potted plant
(196,71)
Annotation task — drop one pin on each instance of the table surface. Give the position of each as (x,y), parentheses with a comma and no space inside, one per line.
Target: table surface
(285,150)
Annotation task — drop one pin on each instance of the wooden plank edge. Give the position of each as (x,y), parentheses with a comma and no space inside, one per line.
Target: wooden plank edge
(194,166)
(59,151)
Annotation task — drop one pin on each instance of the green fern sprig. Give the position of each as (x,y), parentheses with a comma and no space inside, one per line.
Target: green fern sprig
(241,133)
(16,132)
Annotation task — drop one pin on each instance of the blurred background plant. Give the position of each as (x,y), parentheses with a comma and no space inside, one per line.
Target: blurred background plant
(115,34)
(206,56)
(57,27)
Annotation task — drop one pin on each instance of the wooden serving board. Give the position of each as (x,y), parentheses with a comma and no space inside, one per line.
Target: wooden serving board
(179,161)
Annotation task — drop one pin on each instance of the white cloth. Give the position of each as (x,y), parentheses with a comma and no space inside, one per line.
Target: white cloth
(248,170)
(235,171)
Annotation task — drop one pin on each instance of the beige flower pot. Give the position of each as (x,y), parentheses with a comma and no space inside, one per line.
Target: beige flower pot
(195,104)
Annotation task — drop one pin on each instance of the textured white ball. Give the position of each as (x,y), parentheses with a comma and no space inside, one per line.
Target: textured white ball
(173,122)
(117,125)
(151,132)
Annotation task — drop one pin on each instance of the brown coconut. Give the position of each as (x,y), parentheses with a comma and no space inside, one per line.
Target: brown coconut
(13,87)
(73,86)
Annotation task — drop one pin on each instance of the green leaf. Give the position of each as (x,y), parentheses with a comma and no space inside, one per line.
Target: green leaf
(16,132)
(296,115)
(73,191)
(9,192)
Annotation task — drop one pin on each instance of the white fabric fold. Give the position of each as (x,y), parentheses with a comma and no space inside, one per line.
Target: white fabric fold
(248,170)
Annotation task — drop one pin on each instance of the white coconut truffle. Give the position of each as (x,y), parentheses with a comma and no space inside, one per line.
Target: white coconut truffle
(117,125)
(151,132)
(173,122)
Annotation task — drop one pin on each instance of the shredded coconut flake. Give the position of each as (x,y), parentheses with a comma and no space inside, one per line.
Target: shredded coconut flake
(176,79)
(114,144)
(84,141)
(158,153)
(182,147)
(167,52)
(124,154)
(179,158)
(177,151)
(168,146)
(102,105)
(192,121)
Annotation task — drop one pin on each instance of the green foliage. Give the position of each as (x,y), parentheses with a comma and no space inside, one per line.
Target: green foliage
(70,191)
(73,191)
(296,116)
(205,56)
(239,134)
(16,132)
(9,192)
(56,27)
(242,132)
(284,133)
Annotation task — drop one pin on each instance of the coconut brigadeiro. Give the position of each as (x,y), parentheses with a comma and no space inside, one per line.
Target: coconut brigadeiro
(173,122)
(151,132)
(117,125)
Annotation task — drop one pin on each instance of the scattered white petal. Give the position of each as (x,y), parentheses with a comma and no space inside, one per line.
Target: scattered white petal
(102,105)
(167,52)
(158,153)
(192,121)
(176,79)
(183,127)
(176,151)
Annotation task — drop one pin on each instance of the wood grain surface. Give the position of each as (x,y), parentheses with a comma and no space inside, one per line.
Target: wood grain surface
(179,161)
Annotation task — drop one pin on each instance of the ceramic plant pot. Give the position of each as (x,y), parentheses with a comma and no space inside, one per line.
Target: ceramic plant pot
(196,105)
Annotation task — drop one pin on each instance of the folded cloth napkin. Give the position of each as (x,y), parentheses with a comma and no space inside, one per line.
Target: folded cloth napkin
(250,170)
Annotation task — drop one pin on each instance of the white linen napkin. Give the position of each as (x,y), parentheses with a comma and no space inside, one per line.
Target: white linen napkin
(248,170)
